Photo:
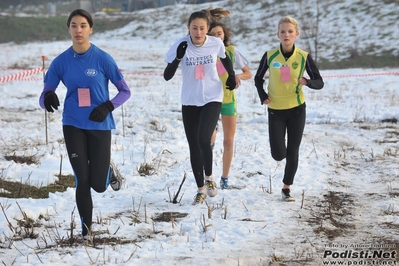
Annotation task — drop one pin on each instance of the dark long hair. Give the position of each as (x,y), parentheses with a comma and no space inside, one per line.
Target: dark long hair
(209,15)
(226,31)
(83,13)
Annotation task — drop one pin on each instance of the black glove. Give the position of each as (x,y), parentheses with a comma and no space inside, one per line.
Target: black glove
(231,82)
(181,50)
(100,112)
(51,101)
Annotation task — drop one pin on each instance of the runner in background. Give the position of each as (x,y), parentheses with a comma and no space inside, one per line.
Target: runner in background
(229,104)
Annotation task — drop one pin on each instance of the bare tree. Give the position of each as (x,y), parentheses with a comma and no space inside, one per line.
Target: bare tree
(310,26)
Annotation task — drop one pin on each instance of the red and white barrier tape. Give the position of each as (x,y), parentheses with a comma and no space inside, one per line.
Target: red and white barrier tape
(142,74)
(323,76)
(21,75)
(361,75)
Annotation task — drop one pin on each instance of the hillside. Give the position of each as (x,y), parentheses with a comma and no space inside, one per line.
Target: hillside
(338,34)
(346,186)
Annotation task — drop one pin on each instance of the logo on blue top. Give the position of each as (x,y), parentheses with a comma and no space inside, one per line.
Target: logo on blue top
(91,72)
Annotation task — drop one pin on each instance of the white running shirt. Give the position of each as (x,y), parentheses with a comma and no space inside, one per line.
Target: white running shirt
(239,60)
(201,82)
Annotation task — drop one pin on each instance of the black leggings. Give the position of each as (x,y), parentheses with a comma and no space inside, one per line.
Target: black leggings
(199,124)
(89,153)
(292,122)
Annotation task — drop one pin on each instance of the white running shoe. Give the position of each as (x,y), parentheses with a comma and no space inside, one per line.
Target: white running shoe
(211,187)
(285,194)
(200,197)
(116,179)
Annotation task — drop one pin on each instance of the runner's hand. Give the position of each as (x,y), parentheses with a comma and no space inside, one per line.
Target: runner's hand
(51,101)
(181,50)
(231,82)
(101,112)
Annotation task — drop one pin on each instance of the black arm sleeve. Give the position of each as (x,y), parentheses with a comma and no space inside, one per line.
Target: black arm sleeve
(260,73)
(228,65)
(316,81)
(170,69)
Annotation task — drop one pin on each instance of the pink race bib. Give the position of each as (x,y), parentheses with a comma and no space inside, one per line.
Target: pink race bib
(199,72)
(220,68)
(84,97)
(285,74)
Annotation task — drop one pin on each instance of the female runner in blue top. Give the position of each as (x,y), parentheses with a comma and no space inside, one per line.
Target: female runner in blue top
(85,70)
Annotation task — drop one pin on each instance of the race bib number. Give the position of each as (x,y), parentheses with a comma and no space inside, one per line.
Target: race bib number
(285,73)
(199,72)
(220,68)
(84,97)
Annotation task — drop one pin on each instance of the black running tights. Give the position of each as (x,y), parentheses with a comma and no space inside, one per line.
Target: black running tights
(89,153)
(292,123)
(199,124)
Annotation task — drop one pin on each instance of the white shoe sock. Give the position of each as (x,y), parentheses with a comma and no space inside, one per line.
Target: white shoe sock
(209,178)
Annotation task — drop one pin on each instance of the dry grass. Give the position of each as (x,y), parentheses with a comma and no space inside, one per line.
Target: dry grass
(15,189)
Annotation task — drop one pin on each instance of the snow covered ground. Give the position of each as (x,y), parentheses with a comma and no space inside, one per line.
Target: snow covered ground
(346,188)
